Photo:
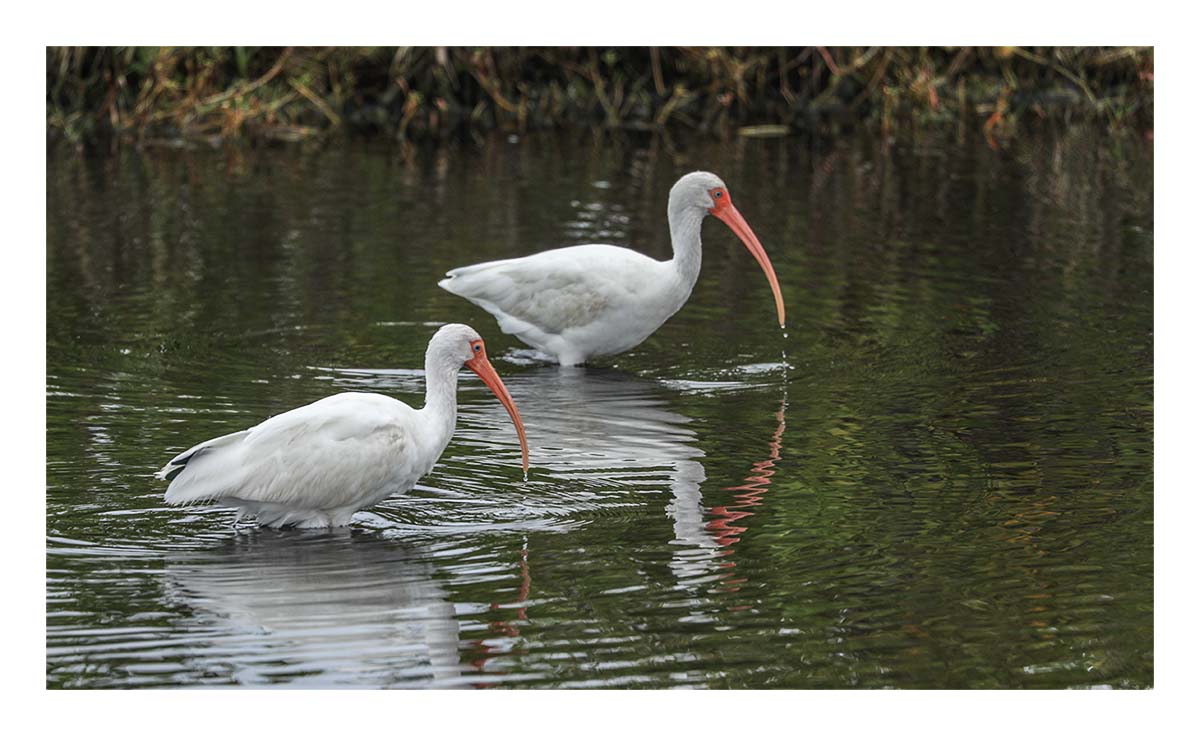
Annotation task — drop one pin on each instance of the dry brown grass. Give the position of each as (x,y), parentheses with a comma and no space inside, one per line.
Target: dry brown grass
(172,94)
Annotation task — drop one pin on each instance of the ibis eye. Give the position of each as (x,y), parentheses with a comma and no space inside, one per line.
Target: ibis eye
(717,194)
(478,348)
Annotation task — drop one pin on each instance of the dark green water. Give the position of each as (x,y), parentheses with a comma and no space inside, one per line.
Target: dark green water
(940,477)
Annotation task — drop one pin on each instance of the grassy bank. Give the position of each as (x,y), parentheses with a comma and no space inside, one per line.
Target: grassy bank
(215,94)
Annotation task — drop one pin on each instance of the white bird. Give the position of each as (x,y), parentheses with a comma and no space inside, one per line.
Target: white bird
(594,300)
(316,465)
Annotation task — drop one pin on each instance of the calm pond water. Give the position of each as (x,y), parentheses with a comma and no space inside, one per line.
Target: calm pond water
(940,477)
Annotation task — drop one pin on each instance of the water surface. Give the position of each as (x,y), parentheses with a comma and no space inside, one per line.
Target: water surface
(940,477)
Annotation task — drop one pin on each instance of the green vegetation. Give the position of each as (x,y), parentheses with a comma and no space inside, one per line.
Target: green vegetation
(172,94)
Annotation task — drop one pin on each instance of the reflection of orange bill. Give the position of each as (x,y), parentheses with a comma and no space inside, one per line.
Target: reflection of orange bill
(727,531)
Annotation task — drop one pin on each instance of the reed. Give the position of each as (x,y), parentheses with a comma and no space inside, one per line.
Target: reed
(168,94)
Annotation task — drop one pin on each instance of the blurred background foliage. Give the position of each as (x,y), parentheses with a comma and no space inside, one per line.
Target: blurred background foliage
(165,94)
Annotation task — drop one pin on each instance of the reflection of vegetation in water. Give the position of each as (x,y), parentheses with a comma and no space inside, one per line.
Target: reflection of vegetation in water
(292,94)
(964,497)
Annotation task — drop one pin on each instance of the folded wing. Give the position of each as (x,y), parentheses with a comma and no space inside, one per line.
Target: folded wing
(545,295)
(325,455)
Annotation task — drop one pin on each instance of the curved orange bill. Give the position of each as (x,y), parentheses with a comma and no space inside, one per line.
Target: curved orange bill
(482,368)
(729,215)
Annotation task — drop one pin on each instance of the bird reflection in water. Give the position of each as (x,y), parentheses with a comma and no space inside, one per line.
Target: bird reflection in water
(603,432)
(317,609)
(725,526)
(484,651)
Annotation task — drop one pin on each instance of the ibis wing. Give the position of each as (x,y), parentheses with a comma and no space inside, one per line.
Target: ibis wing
(554,291)
(323,455)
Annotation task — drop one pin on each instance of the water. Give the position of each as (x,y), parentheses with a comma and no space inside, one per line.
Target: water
(940,477)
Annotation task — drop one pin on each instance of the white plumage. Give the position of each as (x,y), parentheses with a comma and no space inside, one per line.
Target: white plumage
(594,300)
(316,465)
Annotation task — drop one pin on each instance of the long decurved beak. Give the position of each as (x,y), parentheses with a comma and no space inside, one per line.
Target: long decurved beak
(729,215)
(483,368)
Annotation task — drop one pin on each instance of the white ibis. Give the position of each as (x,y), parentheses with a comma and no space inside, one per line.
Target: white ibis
(594,300)
(316,465)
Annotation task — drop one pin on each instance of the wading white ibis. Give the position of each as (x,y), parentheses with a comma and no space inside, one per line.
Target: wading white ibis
(594,300)
(316,465)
